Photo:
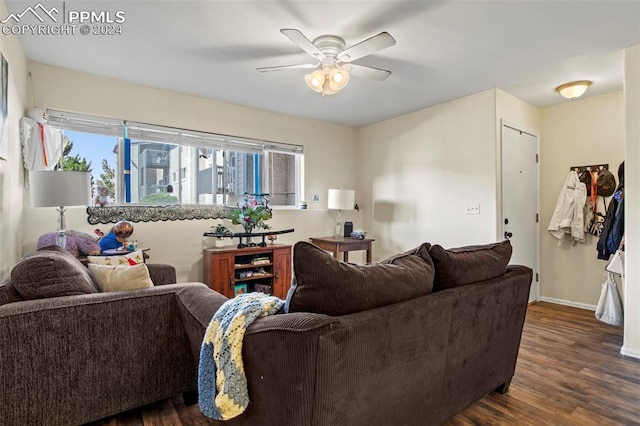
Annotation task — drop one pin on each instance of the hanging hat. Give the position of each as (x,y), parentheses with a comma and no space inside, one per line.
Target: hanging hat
(606,183)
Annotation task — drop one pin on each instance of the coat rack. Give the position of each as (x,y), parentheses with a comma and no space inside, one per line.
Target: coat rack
(581,169)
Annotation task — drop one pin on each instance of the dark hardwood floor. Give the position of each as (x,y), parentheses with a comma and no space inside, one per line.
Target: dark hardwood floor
(569,372)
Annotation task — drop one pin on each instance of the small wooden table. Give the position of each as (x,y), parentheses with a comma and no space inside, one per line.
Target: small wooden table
(343,245)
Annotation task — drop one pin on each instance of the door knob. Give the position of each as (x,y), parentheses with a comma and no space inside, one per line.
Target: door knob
(507,235)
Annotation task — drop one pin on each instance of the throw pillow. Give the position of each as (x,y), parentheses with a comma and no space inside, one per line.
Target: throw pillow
(51,272)
(78,243)
(323,284)
(464,265)
(8,293)
(129,259)
(120,278)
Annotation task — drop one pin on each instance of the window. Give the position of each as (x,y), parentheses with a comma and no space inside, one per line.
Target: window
(148,164)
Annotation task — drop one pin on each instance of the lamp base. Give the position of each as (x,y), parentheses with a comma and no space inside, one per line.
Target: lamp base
(338,230)
(61,240)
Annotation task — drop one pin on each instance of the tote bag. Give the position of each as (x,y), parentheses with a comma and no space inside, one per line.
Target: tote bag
(609,309)
(616,264)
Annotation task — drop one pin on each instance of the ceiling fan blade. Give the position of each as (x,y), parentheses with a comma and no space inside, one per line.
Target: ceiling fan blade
(303,43)
(367,47)
(367,72)
(288,67)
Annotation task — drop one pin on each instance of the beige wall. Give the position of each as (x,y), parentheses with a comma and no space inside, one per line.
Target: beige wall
(581,132)
(632,202)
(329,150)
(417,173)
(11,171)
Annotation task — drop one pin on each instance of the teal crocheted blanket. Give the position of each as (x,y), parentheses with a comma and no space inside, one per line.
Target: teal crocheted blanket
(222,384)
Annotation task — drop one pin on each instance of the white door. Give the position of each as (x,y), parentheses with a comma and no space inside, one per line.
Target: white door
(520,198)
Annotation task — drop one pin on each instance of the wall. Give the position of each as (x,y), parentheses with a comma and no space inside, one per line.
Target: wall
(632,201)
(417,172)
(180,242)
(581,132)
(11,171)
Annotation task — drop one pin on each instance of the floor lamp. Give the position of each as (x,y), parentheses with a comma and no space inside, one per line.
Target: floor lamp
(340,199)
(56,188)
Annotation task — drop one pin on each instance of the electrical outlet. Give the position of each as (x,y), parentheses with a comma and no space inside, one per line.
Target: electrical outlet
(472,208)
(316,197)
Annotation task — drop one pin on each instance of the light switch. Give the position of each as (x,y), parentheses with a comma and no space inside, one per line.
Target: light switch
(473,208)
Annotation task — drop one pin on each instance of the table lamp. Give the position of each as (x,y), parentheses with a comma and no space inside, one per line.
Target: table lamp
(340,199)
(51,188)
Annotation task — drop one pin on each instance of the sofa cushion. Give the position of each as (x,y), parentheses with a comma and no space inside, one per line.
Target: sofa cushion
(51,272)
(323,284)
(128,259)
(120,278)
(8,293)
(464,265)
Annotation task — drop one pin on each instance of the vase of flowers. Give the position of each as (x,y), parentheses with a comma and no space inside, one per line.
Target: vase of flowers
(252,212)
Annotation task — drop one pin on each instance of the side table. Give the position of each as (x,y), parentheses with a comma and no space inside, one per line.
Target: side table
(343,245)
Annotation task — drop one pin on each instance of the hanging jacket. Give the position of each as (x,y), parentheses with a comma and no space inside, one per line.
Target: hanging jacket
(41,145)
(613,228)
(568,216)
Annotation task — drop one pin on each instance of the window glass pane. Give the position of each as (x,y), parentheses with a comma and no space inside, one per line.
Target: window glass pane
(97,154)
(281,169)
(152,167)
(244,174)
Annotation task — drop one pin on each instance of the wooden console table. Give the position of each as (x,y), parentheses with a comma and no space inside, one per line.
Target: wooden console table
(343,245)
(230,270)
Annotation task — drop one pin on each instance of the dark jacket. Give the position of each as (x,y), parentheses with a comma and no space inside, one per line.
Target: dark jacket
(613,228)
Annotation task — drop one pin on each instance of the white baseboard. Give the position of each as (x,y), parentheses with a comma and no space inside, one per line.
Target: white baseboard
(568,303)
(634,353)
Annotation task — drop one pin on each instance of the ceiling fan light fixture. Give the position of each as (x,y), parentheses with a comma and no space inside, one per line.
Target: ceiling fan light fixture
(315,80)
(338,78)
(573,90)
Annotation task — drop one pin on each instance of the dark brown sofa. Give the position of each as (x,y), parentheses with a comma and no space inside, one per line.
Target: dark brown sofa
(80,357)
(416,361)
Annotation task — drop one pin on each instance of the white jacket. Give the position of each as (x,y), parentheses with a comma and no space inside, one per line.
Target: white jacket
(568,216)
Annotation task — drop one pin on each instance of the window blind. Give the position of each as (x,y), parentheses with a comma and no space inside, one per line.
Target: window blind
(155,133)
(85,123)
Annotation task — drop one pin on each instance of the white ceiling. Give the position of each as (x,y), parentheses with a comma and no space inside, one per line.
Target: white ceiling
(445,50)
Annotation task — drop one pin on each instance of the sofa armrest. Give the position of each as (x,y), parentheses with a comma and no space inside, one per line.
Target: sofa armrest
(162,274)
(197,305)
(58,354)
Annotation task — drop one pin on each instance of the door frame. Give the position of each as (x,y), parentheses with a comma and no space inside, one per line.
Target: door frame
(537,281)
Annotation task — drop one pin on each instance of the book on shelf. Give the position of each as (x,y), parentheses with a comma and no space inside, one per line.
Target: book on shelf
(239,288)
(244,274)
(260,260)
(260,272)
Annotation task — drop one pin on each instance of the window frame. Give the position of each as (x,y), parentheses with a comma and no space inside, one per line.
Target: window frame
(128,131)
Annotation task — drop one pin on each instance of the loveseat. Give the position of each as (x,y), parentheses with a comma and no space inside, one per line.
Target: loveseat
(70,354)
(410,341)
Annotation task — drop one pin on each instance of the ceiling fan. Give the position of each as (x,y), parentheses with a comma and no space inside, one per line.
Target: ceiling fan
(334,61)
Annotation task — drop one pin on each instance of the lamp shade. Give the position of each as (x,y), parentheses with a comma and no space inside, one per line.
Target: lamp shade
(54,188)
(341,199)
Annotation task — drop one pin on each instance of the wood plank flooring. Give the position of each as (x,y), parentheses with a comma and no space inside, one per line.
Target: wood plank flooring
(569,372)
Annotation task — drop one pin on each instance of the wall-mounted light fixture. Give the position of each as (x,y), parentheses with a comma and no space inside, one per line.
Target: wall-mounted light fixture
(573,90)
